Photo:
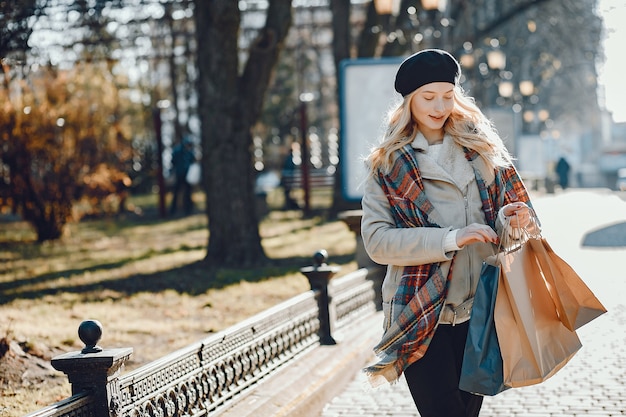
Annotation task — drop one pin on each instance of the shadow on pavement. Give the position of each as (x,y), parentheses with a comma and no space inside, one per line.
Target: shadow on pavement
(609,236)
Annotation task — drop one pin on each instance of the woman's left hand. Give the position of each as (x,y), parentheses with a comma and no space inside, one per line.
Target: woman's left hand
(519,213)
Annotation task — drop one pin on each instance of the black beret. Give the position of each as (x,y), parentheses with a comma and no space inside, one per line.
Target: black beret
(427,66)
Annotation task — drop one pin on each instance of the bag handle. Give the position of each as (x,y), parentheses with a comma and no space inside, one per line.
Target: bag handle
(507,244)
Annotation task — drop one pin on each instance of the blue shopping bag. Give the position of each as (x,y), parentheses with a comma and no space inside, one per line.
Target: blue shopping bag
(482,372)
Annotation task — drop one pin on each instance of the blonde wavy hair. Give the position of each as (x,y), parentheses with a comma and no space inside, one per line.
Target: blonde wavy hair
(467,125)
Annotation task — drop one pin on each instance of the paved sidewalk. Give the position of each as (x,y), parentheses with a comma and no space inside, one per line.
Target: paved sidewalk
(593,383)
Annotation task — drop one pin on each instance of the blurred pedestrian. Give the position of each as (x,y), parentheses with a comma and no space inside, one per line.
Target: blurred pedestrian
(288,177)
(440,186)
(562,170)
(182,158)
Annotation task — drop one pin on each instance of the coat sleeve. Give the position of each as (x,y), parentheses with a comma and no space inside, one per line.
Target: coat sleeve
(387,244)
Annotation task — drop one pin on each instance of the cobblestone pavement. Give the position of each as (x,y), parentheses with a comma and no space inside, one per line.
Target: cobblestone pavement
(593,383)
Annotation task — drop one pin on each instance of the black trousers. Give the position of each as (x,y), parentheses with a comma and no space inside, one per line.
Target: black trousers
(434,379)
(181,186)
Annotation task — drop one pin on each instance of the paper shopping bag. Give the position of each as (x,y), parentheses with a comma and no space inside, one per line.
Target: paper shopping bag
(481,372)
(575,302)
(534,343)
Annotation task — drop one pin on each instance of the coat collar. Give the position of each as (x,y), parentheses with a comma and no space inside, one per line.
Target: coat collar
(450,165)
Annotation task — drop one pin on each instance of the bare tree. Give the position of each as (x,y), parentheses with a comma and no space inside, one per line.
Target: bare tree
(233,77)
(231,96)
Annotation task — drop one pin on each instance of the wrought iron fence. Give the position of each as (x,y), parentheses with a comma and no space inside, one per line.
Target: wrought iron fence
(203,377)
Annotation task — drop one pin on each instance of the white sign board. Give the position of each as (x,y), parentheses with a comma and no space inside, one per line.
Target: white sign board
(367,95)
(531,157)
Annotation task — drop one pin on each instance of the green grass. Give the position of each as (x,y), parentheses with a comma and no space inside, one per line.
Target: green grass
(145,280)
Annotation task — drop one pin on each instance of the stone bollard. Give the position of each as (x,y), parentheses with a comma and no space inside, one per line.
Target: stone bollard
(319,275)
(93,368)
(352,218)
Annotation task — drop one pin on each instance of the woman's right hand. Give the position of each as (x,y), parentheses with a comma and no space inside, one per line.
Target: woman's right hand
(475,232)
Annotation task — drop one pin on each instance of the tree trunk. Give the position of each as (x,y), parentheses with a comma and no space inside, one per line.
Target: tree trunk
(46,211)
(341,50)
(51,228)
(368,39)
(229,105)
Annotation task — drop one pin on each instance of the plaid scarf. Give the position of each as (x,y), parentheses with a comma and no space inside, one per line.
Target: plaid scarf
(421,293)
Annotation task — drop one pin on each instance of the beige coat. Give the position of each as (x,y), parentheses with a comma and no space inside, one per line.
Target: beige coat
(450,185)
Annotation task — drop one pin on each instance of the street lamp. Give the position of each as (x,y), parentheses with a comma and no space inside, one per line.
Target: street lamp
(158,131)
(492,70)
(505,89)
(392,6)
(305,98)
(434,5)
(536,118)
(526,87)
(467,60)
(387,7)
(529,116)
(496,59)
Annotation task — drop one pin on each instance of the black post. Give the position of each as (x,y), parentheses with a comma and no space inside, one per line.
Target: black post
(93,369)
(319,275)
(156,116)
(304,166)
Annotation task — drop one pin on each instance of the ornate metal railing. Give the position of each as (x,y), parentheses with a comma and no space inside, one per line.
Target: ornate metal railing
(78,405)
(200,378)
(204,376)
(353,297)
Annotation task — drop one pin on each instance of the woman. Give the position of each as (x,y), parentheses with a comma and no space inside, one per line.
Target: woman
(440,187)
